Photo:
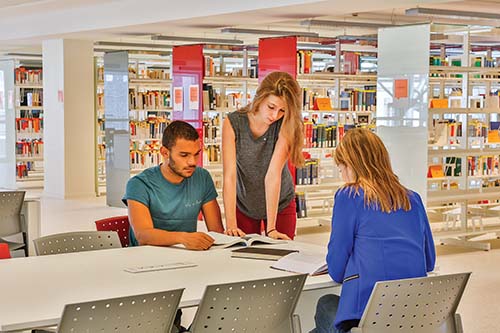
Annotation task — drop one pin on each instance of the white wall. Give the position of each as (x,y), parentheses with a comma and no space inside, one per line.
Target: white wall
(69,118)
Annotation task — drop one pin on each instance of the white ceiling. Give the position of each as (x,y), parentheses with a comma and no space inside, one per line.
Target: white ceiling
(25,23)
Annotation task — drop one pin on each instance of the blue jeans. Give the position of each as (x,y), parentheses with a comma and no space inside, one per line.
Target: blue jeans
(326,309)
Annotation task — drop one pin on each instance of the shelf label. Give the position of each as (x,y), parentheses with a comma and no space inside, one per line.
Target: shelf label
(177,98)
(401,88)
(194,97)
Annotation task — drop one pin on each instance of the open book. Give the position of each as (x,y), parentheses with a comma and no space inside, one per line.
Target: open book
(222,241)
(299,262)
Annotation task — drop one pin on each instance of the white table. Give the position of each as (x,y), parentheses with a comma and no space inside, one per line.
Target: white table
(35,289)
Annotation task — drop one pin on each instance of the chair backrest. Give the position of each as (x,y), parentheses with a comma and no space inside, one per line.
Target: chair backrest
(420,305)
(11,203)
(76,242)
(4,251)
(153,312)
(119,224)
(251,306)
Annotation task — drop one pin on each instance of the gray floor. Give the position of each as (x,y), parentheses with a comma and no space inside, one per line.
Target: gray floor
(479,307)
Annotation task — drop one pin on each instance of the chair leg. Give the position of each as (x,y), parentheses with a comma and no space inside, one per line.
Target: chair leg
(25,241)
(296,326)
(458,324)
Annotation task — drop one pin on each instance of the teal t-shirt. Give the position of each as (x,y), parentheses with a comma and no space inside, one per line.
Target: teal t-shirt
(173,207)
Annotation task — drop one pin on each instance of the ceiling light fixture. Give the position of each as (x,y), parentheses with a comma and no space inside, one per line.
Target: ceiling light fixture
(198,39)
(451,13)
(269,32)
(140,45)
(325,23)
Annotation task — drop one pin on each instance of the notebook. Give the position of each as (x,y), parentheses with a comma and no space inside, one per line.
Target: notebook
(299,262)
(263,253)
(222,241)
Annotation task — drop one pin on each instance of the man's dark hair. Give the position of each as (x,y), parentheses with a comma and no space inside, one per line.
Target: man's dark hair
(178,129)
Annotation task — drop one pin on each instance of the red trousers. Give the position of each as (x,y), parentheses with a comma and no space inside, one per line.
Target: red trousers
(286,221)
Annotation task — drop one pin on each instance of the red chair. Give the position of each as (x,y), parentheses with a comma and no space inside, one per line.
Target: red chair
(4,251)
(119,224)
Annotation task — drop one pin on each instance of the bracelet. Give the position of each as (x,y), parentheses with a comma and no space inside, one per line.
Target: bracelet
(268,232)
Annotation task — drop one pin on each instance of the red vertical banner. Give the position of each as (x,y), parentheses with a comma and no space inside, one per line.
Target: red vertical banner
(277,54)
(188,71)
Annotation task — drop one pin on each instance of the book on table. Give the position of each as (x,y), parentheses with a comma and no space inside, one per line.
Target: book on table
(222,241)
(304,263)
(262,253)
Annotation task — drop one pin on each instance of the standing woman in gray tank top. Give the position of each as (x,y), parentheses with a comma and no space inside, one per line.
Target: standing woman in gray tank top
(257,142)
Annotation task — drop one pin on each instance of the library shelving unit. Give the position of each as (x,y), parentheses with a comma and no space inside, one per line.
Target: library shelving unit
(23,96)
(332,103)
(150,107)
(464,148)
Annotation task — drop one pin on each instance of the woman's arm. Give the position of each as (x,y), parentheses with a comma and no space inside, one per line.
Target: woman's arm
(272,183)
(229,175)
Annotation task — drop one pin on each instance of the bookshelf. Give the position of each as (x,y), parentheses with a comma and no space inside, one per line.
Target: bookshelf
(463,177)
(150,107)
(22,93)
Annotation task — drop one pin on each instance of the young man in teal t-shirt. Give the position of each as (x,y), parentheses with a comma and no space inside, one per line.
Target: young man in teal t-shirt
(164,201)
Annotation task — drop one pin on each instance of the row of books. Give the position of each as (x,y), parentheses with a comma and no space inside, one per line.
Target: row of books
(24,75)
(29,148)
(29,125)
(22,168)
(482,165)
(212,153)
(213,99)
(144,159)
(304,62)
(151,99)
(30,97)
(359,99)
(145,146)
(151,129)
(300,204)
(309,174)
(211,129)
(144,73)
(321,136)
(149,116)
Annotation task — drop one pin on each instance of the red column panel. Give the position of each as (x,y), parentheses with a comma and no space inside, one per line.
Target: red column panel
(277,54)
(188,69)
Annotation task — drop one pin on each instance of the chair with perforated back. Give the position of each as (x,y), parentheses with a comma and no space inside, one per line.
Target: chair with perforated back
(420,305)
(4,251)
(153,312)
(76,242)
(119,224)
(262,306)
(11,220)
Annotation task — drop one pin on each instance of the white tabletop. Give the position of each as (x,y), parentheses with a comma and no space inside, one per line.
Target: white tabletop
(37,288)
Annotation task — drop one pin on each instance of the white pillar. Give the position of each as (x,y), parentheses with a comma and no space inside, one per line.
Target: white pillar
(69,130)
(402,101)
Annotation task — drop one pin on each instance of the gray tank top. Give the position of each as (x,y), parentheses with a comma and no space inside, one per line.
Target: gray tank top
(253,157)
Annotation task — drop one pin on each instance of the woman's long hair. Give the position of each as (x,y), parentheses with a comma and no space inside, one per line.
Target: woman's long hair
(282,84)
(365,153)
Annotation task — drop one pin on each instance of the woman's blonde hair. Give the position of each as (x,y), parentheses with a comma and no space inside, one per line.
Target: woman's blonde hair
(365,153)
(282,84)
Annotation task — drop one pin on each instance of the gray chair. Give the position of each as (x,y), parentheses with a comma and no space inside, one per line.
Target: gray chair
(153,312)
(421,305)
(76,242)
(12,229)
(262,306)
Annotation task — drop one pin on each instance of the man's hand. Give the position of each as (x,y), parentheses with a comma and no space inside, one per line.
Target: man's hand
(197,241)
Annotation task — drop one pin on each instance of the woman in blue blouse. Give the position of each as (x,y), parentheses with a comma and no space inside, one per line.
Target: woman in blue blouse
(380,231)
